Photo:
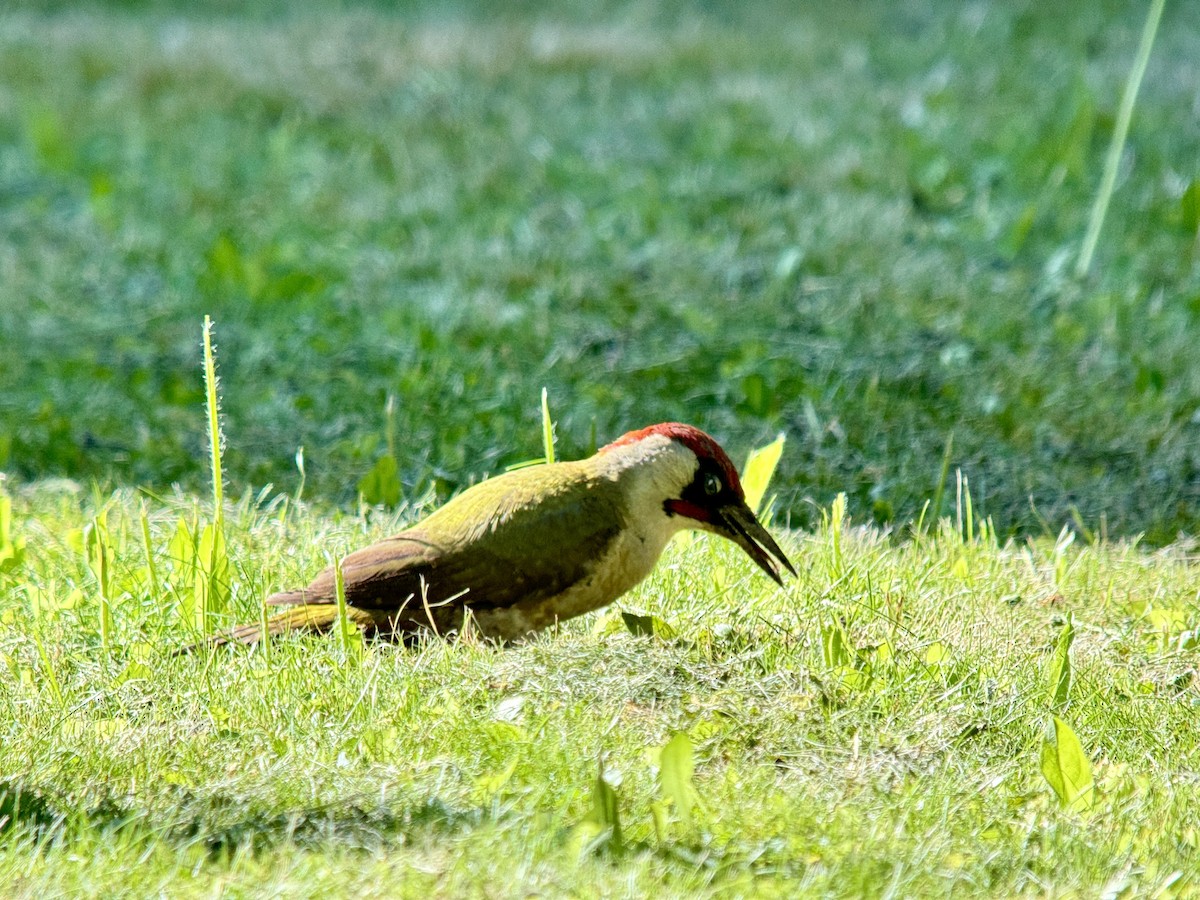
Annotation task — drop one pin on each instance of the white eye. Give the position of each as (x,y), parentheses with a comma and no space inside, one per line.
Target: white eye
(712,484)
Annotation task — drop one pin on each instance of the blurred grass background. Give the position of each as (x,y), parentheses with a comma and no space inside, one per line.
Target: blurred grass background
(855,225)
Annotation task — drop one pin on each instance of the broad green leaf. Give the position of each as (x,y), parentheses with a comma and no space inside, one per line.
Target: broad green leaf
(835,648)
(81,728)
(648,626)
(1167,621)
(756,476)
(885,655)
(937,654)
(381,486)
(1066,766)
(1060,666)
(675,771)
(12,552)
(603,821)
(212,574)
(182,551)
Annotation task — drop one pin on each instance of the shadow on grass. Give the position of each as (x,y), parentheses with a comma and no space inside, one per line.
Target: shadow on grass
(219,827)
(224,825)
(26,809)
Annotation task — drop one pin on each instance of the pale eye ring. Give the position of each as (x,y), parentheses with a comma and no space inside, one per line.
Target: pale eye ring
(712,484)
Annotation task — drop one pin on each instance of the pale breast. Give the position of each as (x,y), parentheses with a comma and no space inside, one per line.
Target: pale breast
(629,559)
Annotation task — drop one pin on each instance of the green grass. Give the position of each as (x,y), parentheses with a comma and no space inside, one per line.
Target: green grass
(457,768)
(857,228)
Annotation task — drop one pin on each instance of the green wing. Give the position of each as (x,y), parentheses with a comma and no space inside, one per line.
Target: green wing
(520,536)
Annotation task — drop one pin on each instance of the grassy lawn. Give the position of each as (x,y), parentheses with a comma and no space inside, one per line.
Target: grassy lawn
(856,228)
(907,762)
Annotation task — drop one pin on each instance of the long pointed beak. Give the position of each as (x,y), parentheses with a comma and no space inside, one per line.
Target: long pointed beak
(738,523)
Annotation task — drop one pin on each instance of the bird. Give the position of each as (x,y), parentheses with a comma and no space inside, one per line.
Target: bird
(523,551)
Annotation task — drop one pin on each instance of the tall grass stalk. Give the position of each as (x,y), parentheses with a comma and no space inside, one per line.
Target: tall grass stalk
(98,549)
(215,439)
(264,613)
(148,549)
(1117,145)
(389,415)
(50,679)
(300,467)
(547,427)
(339,588)
(215,591)
(940,492)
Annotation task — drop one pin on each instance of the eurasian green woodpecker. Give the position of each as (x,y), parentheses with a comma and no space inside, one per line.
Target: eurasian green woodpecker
(537,545)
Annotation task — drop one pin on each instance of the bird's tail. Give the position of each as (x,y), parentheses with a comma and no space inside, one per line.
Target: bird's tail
(314,617)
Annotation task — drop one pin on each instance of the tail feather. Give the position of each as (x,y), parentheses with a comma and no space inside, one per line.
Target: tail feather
(297,598)
(314,617)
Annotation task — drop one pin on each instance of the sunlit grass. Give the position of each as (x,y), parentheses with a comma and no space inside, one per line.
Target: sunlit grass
(851,230)
(911,758)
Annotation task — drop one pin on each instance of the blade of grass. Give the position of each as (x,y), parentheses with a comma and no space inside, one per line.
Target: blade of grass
(942,476)
(148,548)
(389,415)
(547,427)
(303,475)
(264,613)
(757,473)
(99,559)
(1117,145)
(339,587)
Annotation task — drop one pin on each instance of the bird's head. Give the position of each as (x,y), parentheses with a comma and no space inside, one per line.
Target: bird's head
(698,487)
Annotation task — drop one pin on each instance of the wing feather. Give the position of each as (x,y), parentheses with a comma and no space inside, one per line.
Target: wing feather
(532,538)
